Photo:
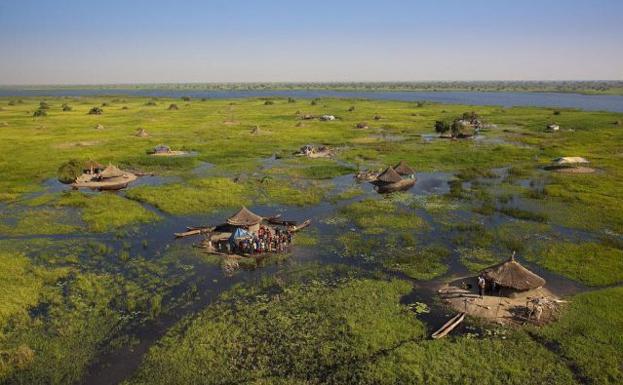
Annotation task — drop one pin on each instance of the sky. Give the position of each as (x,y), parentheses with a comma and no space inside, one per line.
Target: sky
(154,41)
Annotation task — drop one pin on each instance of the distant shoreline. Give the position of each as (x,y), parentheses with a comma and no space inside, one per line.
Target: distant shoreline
(602,87)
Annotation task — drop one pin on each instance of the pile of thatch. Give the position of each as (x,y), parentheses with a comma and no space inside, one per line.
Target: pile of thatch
(99,126)
(402,168)
(111,172)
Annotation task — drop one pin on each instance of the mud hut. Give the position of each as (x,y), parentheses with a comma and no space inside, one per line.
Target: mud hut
(245,218)
(141,133)
(390,181)
(403,168)
(511,275)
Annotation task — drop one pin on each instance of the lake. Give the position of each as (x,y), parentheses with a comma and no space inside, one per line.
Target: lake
(612,103)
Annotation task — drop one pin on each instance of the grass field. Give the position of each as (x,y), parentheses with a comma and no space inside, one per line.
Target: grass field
(82,272)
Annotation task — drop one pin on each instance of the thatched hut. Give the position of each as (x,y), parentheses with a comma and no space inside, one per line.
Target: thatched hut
(387,177)
(569,161)
(161,149)
(403,168)
(512,275)
(110,172)
(362,125)
(553,127)
(245,218)
(141,133)
(99,126)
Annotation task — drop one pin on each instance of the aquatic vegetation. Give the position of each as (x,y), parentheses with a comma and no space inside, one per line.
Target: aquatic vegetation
(591,263)
(587,335)
(273,191)
(200,196)
(42,221)
(105,212)
(375,216)
(296,332)
(419,263)
(476,259)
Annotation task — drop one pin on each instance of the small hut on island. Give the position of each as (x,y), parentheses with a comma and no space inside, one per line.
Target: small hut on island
(391,181)
(162,150)
(570,164)
(403,169)
(96,177)
(510,294)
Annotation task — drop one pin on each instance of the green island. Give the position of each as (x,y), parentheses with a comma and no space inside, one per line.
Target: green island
(96,289)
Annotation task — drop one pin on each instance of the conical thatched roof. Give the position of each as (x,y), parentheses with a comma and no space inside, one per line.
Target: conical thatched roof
(142,133)
(389,176)
(111,172)
(403,169)
(244,217)
(513,275)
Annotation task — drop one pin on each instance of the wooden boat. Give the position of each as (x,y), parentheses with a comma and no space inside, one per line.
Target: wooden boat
(299,227)
(277,221)
(449,326)
(401,185)
(194,231)
(112,187)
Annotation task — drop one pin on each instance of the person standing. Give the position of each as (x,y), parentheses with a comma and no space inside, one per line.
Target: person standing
(481,285)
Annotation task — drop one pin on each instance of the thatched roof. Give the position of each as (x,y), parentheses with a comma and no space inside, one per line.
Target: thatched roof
(161,149)
(142,133)
(512,274)
(389,176)
(569,160)
(244,217)
(403,168)
(111,172)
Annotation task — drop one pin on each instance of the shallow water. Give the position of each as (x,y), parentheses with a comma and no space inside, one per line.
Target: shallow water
(612,103)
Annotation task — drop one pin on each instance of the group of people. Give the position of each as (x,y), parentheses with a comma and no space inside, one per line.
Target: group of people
(264,241)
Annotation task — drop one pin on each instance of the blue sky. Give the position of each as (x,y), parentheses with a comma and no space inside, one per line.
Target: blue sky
(113,41)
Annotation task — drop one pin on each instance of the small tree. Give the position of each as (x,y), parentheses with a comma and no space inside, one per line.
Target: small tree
(291,100)
(173,107)
(43,106)
(441,126)
(96,111)
(269,103)
(39,113)
(186,98)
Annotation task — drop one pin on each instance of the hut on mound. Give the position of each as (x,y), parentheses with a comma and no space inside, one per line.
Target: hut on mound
(403,168)
(255,130)
(390,181)
(99,126)
(511,275)
(569,161)
(245,218)
(161,149)
(110,172)
(141,133)
(173,107)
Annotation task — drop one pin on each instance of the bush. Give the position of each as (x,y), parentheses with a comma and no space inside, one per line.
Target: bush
(269,103)
(43,106)
(95,111)
(150,103)
(441,126)
(69,171)
(351,108)
(186,98)
(39,113)
(66,107)
(291,100)
(173,107)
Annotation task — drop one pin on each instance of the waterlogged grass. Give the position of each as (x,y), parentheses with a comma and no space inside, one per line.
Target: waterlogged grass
(273,191)
(374,216)
(476,259)
(200,196)
(591,263)
(422,263)
(312,332)
(41,221)
(105,212)
(588,334)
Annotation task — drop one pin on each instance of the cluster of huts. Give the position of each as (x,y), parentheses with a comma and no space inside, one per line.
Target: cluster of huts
(401,177)
(247,234)
(97,177)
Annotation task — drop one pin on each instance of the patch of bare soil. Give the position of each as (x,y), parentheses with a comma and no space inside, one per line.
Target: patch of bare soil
(576,170)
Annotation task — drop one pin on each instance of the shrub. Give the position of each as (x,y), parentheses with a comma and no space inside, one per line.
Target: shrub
(66,107)
(351,108)
(95,111)
(441,126)
(43,106)
(69,171)
(291,100)
(186,98)
(39,113)
(173,107)
(150,103)
(269,103)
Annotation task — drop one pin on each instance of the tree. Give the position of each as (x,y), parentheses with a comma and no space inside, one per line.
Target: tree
(456,127)
(69,171)
(441,126)
(95,111)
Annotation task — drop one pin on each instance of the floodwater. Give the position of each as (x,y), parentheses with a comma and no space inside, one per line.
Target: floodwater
(612,103)
(210,281)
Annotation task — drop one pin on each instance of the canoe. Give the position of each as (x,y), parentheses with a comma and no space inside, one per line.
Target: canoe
(448,326)
(195,231)
(113,187)
(300,227)
(277,221)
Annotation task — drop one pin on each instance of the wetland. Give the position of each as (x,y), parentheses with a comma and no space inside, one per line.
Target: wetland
(95,289)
